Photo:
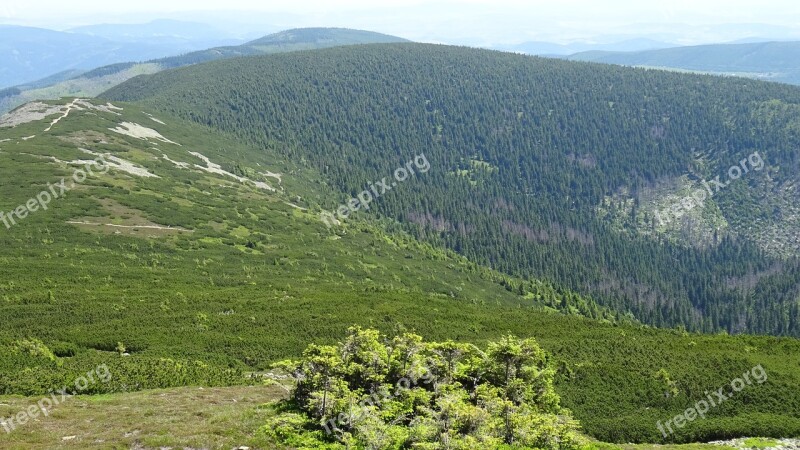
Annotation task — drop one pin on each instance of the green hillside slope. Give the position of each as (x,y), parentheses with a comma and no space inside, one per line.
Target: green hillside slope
(571,172)
(195,259)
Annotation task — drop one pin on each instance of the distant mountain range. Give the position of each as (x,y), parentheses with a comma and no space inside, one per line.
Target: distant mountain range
(29,54)
(774,61)
(91,82)
(552,49)
(158,30)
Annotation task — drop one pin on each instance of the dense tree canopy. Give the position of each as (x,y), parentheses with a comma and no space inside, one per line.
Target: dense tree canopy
(523,153)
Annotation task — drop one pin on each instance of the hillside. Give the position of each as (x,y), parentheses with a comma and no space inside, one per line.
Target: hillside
(194,259)
(92,82)
(547,169)
(770,61)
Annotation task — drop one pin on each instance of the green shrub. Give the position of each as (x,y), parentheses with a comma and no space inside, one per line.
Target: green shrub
(370,391)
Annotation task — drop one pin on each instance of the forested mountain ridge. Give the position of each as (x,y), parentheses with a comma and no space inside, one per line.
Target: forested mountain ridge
(193,259)
(284,41)
(313,38)
(541,168)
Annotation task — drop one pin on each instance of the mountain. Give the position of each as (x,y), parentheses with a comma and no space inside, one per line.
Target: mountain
(320,38)
(549,48)
(93,82)
(284,41)
(30,54)
(772,61)
(701,33)
(668,196)
(187,257)
(162,30)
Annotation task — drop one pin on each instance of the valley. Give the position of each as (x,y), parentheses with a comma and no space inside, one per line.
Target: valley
(329,238)
(246,272)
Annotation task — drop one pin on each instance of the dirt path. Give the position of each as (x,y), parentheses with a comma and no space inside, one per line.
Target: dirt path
(70,106)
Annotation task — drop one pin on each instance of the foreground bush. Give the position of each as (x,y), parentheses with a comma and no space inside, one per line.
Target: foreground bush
(373,392)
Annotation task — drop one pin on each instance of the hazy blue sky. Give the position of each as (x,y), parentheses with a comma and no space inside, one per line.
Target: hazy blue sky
(474,21)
